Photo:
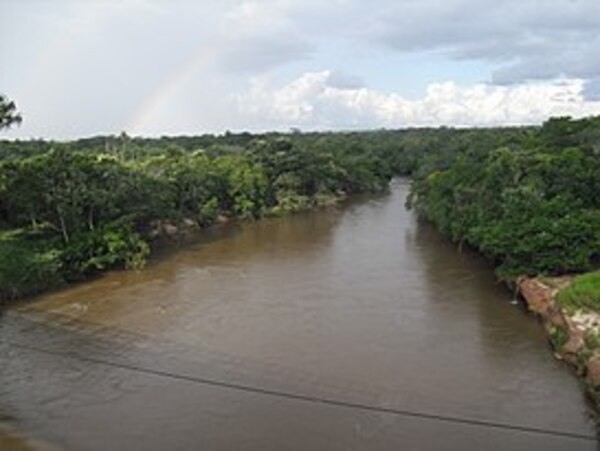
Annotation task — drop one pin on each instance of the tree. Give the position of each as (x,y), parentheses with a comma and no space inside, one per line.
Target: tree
(8,113)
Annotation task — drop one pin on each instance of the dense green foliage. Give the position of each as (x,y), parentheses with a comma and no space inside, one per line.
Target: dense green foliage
(27,265)
(69,210)
(525,197)
(584,291)
(529,203)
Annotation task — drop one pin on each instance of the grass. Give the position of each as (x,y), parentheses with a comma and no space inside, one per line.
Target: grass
(584,291)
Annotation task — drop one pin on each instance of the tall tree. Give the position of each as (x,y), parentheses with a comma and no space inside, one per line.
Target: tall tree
(8,113)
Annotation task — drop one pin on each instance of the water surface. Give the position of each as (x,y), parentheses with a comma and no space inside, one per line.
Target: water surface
(383,335)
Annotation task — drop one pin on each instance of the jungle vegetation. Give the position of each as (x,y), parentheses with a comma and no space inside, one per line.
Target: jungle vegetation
(525,197)
(531,205)
(70,210)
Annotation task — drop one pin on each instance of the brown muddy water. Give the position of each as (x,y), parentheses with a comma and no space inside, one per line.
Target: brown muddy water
(357,328)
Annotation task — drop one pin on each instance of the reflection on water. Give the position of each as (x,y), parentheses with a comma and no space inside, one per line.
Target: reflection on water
(362,304)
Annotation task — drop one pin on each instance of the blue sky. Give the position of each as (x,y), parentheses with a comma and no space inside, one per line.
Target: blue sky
(152,67)
(408,73)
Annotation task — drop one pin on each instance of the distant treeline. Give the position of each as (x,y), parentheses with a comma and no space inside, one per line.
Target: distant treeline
(526,197)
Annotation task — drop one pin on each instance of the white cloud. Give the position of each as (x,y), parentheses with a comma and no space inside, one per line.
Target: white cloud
(313,101)
(157,66)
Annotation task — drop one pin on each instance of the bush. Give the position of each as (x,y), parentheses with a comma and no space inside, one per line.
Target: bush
(290,202)
(27,266)
(115,245)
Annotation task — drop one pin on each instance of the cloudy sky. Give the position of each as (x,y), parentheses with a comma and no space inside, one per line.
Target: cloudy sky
(152,67)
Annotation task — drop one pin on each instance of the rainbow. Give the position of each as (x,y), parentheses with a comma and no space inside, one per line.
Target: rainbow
(184,73)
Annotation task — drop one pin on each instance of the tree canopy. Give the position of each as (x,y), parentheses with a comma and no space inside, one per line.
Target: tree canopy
(525,197)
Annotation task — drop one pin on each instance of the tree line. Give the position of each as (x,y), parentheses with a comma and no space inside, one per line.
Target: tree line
(529,203)
(525,197)
(69,210)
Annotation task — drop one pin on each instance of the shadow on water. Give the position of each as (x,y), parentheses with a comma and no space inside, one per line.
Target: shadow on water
(511,344)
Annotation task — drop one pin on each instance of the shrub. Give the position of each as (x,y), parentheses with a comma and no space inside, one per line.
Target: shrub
(27,266)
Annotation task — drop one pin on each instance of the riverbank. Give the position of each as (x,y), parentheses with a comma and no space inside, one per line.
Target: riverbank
(529,206)
(69,213)
(29,268)
(573,330)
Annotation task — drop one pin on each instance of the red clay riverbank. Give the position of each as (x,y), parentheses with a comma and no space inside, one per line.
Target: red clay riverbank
(573,333)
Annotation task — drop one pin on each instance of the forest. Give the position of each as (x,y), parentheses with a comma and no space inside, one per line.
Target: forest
(525,197)
(71,210)
(530,204)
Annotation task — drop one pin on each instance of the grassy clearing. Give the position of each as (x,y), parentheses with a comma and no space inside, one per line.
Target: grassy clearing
(584,291)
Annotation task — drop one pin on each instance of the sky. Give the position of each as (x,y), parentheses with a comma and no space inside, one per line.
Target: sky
(78,68)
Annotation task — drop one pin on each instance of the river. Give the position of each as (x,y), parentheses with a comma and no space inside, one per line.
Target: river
(355,328)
